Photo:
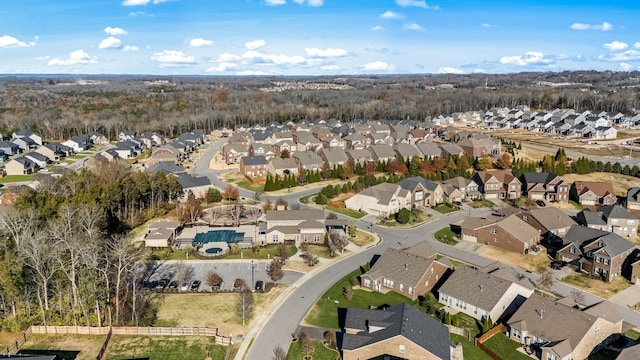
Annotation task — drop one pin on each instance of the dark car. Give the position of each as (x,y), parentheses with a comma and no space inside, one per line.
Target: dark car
(153,284)
(163,283)
(173,285)
(556,265)
(195,285)
(540,203)
(259,285)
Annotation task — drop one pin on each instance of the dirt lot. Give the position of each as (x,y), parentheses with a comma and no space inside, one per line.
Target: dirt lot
(210,310)
(536,263)
(620,182)
(87,346)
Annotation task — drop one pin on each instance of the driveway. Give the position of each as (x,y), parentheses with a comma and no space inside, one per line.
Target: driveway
(629,297)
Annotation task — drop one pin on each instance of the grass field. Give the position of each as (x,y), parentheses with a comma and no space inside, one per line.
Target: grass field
(619,182)
(446,236)
(480,203)
(597,286)
(164,348)
(470,352)
(320,352)
(535,262)
(319,251)
(362,238)
(265,252)
(216,310)
(505,348)
(346,212)
(16,178)
(86,346)
(446,208)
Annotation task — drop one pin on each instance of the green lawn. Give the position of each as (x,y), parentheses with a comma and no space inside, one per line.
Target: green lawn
(445,235)
(77,156)
(632,334)
(265,252)
(305,199)
(325,312)
(480,203)
(469,350)
(320,352)
(164,347)
(576,205)
(505,348)
(16,178)
(319,251)
(347,212)
(446,208)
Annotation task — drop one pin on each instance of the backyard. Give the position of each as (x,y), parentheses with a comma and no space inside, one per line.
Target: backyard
(67,346)
(505,348)
(164,348)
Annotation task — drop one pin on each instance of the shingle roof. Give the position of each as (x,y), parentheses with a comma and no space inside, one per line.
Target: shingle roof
(538,177)
(307,158)
(383,192)
(400,266)
(382,151)
(616,212)
(598,187)
(613,244)
(475,287)
(552,218)
(254,160)
(633,194)
(187,181)
(411,183)
(399,320)
(334,155)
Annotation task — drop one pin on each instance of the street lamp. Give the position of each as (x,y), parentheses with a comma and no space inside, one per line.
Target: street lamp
(252,270)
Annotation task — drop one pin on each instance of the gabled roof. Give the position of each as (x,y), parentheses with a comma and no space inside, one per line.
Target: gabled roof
(307,158)
(612,243)
(187,181)
(633,194)
(334,155)
(459,182)
(475,287)
(254,160)
(287,163)
(401,267)
(551,218)
(538,177)
(382,151)
(384,192)
(165,167)
(451,149)
(411,183)
(599,188)
(616,212)
(399,320)
(37,156)
(407,150)
(429,149)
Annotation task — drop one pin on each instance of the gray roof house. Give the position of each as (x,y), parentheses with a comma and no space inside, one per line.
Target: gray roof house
(406,151)
(397,332)
(613,218)
(382,152)
(380,200)
(308,160)
(334,156)
(633,198)
(429,150)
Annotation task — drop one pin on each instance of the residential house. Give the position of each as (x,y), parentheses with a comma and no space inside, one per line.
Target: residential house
(467,187)
(297,226)
(410,272)
(552,223)
(308,161)
(633,198)
(481,294)
(53,151)
(545,186)
(451,194)
(253,166)
(450,149)
(473,148)
(406,151)
(110,155)
(307,142)
(333,142)
(150,139)
(266,150)
(613,218)
(285,146)
(78,143)
(604,133)
(232,152)
(197,185)
(382,153)
(423,192)
(509,233)
(380,200)
(596,252)
(26,133)
(166,153)
(629,353)
(25,143)
(124,151)
(396,332)
(360,156)
(40,160)
(593,193)
(20,166)
(498,184)
(333,156)
(9,148)
(551,330)
(161,234)
(242,137)
(429,150)
(281,167)
(127,135)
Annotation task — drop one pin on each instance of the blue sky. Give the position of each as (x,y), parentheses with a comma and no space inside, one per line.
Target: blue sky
(316,37)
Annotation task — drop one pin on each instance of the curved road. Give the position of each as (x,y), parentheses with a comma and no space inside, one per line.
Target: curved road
(286,318)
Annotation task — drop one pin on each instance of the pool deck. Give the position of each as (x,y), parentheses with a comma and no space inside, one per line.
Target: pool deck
(190,233)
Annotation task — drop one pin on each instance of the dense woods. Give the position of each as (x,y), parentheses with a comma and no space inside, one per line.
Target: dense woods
(59,108)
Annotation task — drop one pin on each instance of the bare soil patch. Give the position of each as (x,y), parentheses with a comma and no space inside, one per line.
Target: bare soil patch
(87,345)
(216,310)
(298,265)
(536,263)
(621,183)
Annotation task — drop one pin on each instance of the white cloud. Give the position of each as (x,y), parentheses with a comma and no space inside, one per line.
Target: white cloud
(224,66)
(377,28)
(529,58)
(417,3)
(200,42)
(615,45)
(169,58)
(141,2)
(45,57)
(605,26)
(485,25)
(413,26)
(275,2)
(110,43)
(136,13)
(114,31)
(328,53)
(130,48)
(226,57)
(251,73)
(625,67)
(628,55)
(450,70)
(314,3)
(330,67)
(377,66)
(636,45)
(256,44)
(78,57)
(7,41)
(282,59)
(391,15)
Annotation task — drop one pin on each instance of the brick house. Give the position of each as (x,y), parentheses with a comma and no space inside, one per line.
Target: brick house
(410,272)
(552,223)
(613,218)
(498,184)
(396,332)
(545,186)
(253,166)
(596,252)
(593,193)
(481,294)
(232,152)
(552,330)
(423,192)
(468,188)
(509,233)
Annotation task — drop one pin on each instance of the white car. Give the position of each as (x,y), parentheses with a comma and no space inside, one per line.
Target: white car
(185,286)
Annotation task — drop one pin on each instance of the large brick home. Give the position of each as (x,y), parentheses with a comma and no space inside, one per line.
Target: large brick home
(498,184)
(410,272)
(396,332)
(510,233)
(545,186)
(253,166)
(613,218)
(596,252)
(552,223)
(551,330)
(423,192)
(593,193)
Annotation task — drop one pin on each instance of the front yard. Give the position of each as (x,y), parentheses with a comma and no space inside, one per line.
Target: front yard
(319,352)
(446,236)
(446,208)
(596,286)
(534,262)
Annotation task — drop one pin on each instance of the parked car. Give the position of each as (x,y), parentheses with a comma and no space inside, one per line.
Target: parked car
(557,265)
(238,284)
(259,285)
(541,203)
(173,285)
(163,283)
(195,285)
(185,286)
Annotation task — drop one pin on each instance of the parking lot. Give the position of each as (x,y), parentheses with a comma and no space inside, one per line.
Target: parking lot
(227,269)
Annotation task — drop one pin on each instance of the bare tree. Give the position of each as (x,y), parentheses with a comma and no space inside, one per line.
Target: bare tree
(213,279)
(184,272)
(338,239)
(191,209)
(212,215)
(230,193)
(253,213)
(545,281)
(235,211)
(38,256)
(275,270)
(281,203)
(306,344)
(244,305)
(279,353)
(123,256)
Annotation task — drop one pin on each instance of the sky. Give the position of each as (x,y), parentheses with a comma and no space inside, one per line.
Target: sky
(316,37)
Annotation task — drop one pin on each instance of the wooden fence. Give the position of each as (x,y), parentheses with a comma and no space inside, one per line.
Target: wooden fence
(488,335)
(13,348)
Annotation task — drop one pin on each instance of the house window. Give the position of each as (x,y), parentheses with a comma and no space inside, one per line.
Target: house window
(515,333)
(572,250)
(630,222)
(410,290)
(367,283)
(305,237)
(494,231)
(402,349)
(316,237)
(426,283)
(551,356)
(605,261)
(388,283)
(275,238)
(525,218)
(401,287)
